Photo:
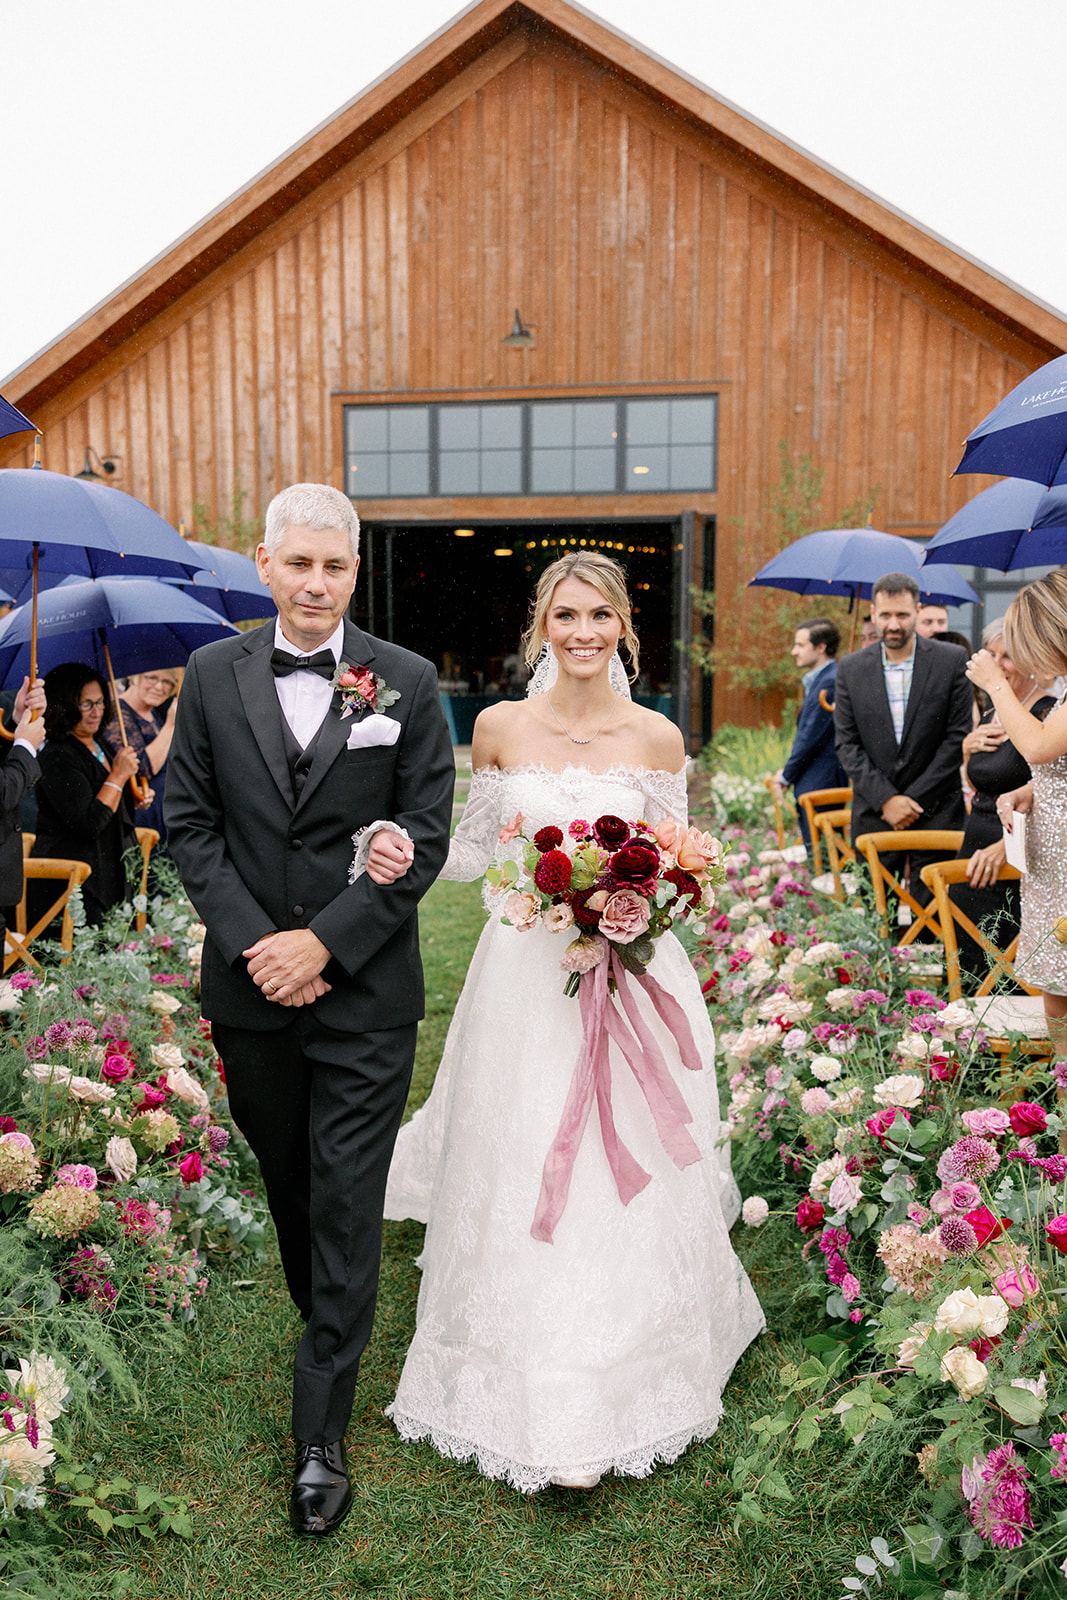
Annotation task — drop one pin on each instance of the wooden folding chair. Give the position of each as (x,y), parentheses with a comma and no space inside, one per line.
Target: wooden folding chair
(147,838)
(832,799)
(779,822)
(1000,1014)
(872,846)
(833,827)
(72,874)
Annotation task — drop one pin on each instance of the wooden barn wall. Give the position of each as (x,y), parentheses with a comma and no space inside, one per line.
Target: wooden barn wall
(644,250)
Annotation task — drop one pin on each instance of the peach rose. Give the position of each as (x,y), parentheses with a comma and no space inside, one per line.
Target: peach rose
(697,851)
(187,1088)
(666,833)
(522,910)
(625,917)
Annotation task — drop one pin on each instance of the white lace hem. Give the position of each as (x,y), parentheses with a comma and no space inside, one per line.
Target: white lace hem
(364,838)
(529,1479)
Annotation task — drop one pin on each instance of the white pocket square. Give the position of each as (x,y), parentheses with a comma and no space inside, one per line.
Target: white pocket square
(372,730)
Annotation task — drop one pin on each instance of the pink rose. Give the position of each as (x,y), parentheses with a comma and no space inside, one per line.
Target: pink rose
(987,1226)
(584,954)
(810,1214)
(116,1068)
(1056,1233)
(625,917)
(1027,1118)
(191,1168)
(665,833)
(348,680)
(1017,1284)
(522,910)
(988,1123)
(81,1177)
(697,851)
(964,1196)
(511,830)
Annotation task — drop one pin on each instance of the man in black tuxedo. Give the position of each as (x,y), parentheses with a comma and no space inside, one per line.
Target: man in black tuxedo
(312,982)
(902,710)
(18,774)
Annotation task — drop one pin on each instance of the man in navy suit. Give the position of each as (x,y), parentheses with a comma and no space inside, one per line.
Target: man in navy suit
(813,762)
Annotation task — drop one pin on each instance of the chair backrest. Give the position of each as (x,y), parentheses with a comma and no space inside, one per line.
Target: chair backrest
(872,846)
(147,838)
(776,800)
(938,877)
(72,874)
(810,803)
(833,828)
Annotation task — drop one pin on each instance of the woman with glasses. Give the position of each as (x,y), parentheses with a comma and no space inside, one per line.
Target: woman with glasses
(149,732)
(84,802)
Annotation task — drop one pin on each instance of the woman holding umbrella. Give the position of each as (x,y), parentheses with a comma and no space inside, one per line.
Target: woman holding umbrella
(149,734)
(84,804)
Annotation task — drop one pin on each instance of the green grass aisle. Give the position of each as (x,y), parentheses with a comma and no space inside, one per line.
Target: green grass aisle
(215,1429)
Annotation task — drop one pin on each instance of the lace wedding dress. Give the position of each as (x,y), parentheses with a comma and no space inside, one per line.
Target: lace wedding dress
(609,1348)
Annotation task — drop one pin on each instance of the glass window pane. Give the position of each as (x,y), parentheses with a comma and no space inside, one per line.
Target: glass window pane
(458,427)
(692,421)
(691,466)
(552,472)
(646,469)
(368,475)
(366,427)
(502,472)
(459,472)
(594,469)
(409,428)
(501,427)
(409,473)
(553,425)
(648,421)
(595,423)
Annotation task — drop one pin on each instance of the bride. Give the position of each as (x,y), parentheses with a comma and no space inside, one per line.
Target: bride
(608,1348)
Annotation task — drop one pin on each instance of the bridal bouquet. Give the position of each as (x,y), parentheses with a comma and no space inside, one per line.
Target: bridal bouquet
(620,884)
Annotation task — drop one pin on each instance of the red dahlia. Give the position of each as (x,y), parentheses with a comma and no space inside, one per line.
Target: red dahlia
(582,916)
(553,872)
(686,885)
(548,838)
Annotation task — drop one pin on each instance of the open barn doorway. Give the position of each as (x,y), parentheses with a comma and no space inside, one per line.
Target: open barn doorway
(459,593)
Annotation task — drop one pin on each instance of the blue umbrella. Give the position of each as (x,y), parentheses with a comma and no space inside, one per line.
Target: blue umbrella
(12,420)
(1017,523)
(233,589)
(1025,436)
(847,561)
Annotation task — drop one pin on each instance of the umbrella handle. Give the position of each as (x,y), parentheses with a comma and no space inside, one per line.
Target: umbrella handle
(827,705)
(3,731)
(138,786)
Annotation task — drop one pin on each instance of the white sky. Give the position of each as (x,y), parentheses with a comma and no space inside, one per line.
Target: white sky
(123,122)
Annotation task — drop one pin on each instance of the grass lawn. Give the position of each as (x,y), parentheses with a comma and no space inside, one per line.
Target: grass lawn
(215,1428)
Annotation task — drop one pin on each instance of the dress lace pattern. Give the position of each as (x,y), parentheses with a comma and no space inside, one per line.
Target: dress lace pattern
(608,1349)
(1041,960)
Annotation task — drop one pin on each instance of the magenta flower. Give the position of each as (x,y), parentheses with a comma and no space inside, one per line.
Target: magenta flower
(82,1177)
(998,1500)
(970,1158)
(958,1236)
(57,1035)
(116,1069)
(191,1168)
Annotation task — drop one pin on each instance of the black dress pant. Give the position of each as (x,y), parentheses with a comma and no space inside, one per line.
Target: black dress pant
(321,1110)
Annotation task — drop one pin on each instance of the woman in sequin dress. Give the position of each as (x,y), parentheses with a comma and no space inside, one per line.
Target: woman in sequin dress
(1035,632)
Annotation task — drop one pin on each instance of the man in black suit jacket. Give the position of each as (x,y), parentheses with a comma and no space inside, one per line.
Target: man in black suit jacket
(312,982)
(18,774)
(902,710)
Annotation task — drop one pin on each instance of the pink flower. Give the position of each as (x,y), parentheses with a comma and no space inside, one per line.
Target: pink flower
(1058,1441)
(1056,1234)
(191,1168)
(815,1101)
(850,1287)
(998,1499)
(1027,1118)
(810,1214)
(989,1123)
(625,917)
(82,1177)
(522,911)
(116,1068)
(579,829)
(696,851)
(987,1226)
(584,954)
(1017,1284)
(511,830)
(964,1196)
(665,833)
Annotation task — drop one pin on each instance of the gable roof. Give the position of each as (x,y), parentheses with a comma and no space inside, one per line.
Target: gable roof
(386,102)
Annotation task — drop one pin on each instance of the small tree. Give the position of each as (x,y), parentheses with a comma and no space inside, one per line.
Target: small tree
(233,532)
(758,657)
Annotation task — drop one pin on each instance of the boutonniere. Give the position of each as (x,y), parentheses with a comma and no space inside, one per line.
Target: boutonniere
(362,690)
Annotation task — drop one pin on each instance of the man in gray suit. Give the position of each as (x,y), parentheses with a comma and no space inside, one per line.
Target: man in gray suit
(289,741)
(902,710)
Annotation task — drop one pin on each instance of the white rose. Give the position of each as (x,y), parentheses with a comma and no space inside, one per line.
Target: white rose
(166,1056)
(755,1211)
(197,932)
(840,1000)
(121,1158)
(954,1017)
(758,972)
(914,1342)
(823,953)
(187,1088)
(846,1192)
(757,941)
(917,1047)
(165,1004)
(962,1367)
(794,854)
(44,1072)
(826,1068)
(850,1100)
(905,1090)
(196,954)
(90,1092)
(965,1313)
(824,1175)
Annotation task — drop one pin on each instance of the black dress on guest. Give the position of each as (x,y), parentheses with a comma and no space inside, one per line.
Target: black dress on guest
(991,773)
(74,825)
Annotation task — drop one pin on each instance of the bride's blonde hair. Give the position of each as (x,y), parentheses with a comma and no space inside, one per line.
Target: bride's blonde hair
(1035,626)
(589,566)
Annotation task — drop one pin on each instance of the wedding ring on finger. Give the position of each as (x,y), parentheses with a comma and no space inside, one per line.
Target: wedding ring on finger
(271,985)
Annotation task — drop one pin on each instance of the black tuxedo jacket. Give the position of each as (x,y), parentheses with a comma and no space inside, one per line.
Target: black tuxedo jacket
(255,860)
(18,773)
(926,762)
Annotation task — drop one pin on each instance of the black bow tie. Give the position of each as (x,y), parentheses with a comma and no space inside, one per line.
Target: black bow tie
(322,662)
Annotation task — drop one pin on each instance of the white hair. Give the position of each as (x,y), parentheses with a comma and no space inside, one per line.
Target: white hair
(310,505)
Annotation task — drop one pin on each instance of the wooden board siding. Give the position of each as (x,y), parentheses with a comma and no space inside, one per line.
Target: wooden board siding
(646,250)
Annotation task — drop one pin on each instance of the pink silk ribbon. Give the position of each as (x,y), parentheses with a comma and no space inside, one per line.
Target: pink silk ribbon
(591,1080)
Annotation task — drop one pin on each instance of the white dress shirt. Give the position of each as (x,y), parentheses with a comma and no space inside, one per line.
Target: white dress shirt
(303,696)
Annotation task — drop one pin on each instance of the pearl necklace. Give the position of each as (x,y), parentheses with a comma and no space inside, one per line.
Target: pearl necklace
(568,732)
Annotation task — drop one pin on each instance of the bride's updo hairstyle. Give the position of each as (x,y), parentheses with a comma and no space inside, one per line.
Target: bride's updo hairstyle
(1035,626)
(589,566)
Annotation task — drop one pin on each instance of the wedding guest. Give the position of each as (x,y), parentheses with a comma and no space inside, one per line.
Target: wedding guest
(85,811)
(932,620)
(149,731)
(813,762)
(1035,633)
(19,772)
(994,767)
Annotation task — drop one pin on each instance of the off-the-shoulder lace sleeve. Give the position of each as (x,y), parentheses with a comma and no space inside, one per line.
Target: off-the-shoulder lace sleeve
(474,840)
(666,795)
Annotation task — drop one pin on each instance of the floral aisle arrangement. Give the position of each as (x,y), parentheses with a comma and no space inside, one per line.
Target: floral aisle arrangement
(120,1174)
(923,1186)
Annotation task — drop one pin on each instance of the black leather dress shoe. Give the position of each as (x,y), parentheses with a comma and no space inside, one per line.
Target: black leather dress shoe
(321,1497)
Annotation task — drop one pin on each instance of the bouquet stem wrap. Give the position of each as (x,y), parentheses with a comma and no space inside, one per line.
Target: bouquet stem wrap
(602,1020)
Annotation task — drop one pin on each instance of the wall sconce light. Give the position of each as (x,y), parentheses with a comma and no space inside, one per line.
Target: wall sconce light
(503,551)
(463,533)
(109,467)
(522,336)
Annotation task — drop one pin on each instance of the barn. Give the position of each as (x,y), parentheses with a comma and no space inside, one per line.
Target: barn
(532,290)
